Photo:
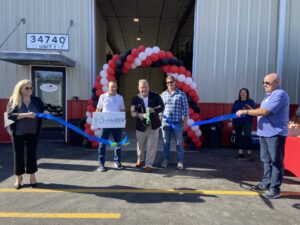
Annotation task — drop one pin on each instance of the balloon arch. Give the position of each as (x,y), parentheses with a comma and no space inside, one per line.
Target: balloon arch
(154,57)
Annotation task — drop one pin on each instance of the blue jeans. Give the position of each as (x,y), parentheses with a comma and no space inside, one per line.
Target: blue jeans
(167,132)
(271,154)
(116,133)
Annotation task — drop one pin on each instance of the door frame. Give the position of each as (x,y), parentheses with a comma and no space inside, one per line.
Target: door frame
(33,68)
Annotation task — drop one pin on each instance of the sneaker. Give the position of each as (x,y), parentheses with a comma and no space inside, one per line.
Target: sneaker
(271,194)
(101,168)
(259,187)
(118,166)
(165,163)
(148,169)
(180,166)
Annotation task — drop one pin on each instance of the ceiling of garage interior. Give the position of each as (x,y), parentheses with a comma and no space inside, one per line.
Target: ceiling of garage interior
(168,24)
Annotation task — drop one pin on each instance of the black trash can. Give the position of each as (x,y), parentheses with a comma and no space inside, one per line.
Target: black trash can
(75,138)
(212,134)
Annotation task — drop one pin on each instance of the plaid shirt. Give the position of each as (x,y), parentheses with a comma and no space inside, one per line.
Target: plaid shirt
(176,105)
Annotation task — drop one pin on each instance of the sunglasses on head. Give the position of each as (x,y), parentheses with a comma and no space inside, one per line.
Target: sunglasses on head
(169,82)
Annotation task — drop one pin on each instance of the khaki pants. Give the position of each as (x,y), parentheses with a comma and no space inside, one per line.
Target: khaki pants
(151,138)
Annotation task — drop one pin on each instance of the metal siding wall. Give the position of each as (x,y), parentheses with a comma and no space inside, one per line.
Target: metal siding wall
(235,46)
(291,65)
(47,16)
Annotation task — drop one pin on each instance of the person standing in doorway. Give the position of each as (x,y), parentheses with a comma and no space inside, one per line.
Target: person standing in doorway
(110,102)
(176,110)
(272,129)
(145,108)
(24,129)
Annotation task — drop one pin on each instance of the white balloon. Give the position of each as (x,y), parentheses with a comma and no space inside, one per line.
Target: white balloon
(195,128)
(133,66)
(194,85)
(148,51)
(137,62)
(104,81)
(105,67)
(88,114)
(175,75)
(142,56)
(98,133)
(103,74)
(89,120)
(190,122)
(181,78)
(104,88)
(188,81)
(156,49)
(198,133)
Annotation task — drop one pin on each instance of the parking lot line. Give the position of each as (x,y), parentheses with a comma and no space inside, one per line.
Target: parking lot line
(159,191)
(61,215)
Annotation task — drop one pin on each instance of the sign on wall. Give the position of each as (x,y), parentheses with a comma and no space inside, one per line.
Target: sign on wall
(47,41)
(108,120)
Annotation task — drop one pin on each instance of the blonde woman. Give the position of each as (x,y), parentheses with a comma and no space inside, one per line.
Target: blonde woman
(21,109)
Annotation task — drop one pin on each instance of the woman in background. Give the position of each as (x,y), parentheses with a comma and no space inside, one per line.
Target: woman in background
(243,125)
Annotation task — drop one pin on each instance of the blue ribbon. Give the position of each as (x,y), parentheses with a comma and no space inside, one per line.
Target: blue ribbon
(170,122)
(216,119)
(76,129)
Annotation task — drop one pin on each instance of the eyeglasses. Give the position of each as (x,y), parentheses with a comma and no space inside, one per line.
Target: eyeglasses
(28,88)
(170,82)
(266,83)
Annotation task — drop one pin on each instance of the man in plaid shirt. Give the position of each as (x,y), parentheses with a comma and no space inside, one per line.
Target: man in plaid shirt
(176,110)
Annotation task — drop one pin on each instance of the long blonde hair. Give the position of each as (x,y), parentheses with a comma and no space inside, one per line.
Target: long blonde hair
(16,98)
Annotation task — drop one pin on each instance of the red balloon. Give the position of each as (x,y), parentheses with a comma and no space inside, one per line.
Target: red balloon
(195,139)
(186,88)
(90,102)
(110,71)
(166,68)
(191,134)
(87,126)
(191,111)
(192,93)
(127,66)
(97,85)
(111,64)
(179,84)
(89,131)
(148,61)
(111,77)
(188,73)
(124,70)
(116,57)
(169,54)
(141,48)
(181,70)
(130,59)
(135,52)
(196,98)
(144,63)
(154,57)
(174,69)
(98,78)
(95,144)
(99,92)
(196,117)
(91,108)
(161,54)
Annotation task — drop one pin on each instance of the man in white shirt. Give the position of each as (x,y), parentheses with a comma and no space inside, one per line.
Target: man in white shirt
(110,102)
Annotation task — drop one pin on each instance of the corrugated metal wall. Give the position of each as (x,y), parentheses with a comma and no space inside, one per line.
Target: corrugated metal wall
(291,63)
(235,44)
(44,16)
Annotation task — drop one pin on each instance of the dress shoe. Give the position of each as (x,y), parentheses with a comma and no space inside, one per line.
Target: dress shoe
(148,169)
(138,164)
(18,185)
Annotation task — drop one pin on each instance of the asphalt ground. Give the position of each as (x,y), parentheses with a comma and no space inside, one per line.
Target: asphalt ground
(213,189)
